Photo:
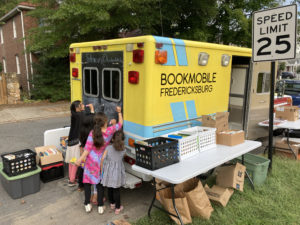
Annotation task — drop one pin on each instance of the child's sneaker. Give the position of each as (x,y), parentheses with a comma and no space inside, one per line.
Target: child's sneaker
(117,211)
(113,206)
(101,209)
(88,208)
(71,184)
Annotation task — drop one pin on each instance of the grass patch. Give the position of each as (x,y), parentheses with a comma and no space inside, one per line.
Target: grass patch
(277,201)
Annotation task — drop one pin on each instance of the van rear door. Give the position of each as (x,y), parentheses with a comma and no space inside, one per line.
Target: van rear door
(102,84)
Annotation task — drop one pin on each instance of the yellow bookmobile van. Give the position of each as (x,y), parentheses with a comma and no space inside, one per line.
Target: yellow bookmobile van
(166,84)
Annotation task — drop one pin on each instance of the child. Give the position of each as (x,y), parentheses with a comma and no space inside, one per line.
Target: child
(73,150)
(87,125)
(114,170)
(95,145)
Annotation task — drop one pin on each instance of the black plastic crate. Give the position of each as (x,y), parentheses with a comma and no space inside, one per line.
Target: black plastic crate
(161,152)
(23,161)
(52,172)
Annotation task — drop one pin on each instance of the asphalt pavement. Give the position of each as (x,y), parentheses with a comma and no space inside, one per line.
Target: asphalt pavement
(22,127)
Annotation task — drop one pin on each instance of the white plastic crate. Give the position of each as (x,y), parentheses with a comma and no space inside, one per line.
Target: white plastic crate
(206,136)
(187,146)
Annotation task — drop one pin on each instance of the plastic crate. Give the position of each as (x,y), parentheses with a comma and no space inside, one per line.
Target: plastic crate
(206,136)
(187,145)
(161,152)
(52,172)
(24,161)
(21,185)
(256,166)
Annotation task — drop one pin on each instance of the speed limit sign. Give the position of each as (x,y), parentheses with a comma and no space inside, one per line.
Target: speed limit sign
(274,33)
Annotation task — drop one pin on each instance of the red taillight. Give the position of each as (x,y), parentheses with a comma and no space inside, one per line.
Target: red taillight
(72,57)
(75,72)
(133,77)
(129,160)
(138,56)
(140,45)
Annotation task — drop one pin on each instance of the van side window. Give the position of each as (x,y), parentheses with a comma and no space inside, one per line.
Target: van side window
(263,83)
(111,84)
(90,81)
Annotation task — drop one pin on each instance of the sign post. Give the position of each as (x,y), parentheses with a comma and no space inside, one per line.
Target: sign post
(274,38)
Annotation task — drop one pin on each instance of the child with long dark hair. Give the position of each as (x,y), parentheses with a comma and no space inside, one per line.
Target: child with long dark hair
(114,171)
(73,150)
(94,148)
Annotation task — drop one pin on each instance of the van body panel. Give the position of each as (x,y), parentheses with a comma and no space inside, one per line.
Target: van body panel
(168,97)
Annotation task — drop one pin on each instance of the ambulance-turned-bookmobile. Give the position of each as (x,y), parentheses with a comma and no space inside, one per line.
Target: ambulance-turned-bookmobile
(180,100)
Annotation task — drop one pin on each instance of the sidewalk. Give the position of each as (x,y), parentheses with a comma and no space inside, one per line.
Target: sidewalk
(33,111)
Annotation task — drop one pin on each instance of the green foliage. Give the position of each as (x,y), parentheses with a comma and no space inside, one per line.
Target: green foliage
(51,80)
(1,67)
(281,66)
(233,24)
(219,21)
(7,5)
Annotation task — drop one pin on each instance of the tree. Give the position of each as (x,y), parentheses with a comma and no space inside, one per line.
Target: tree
(233,24)
(281,66)
(82,20)
(51,80)
(7,5)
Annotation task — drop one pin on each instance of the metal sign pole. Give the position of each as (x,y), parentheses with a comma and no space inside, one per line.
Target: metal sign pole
(271,113)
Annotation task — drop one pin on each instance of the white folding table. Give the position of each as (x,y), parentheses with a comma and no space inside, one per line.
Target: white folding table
(194,166)
(287,125)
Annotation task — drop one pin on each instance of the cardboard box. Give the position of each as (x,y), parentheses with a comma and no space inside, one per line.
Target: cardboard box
(231,137)
(231,176)
(219,121)
(119,222)
(282,149)
(218,194)
(290,113)
(48,159)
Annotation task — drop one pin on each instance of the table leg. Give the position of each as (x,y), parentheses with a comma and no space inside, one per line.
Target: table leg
(173,199)
(247,175)
(162,209)
(250,179)
(153,200)
(288,142)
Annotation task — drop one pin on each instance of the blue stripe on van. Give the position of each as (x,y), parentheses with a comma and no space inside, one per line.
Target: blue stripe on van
(138,129)
(191,108)
(181,52)
(178,111)
(192,112)
(167,46)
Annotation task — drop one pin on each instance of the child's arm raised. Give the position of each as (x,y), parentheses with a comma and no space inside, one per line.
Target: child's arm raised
(119,111)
